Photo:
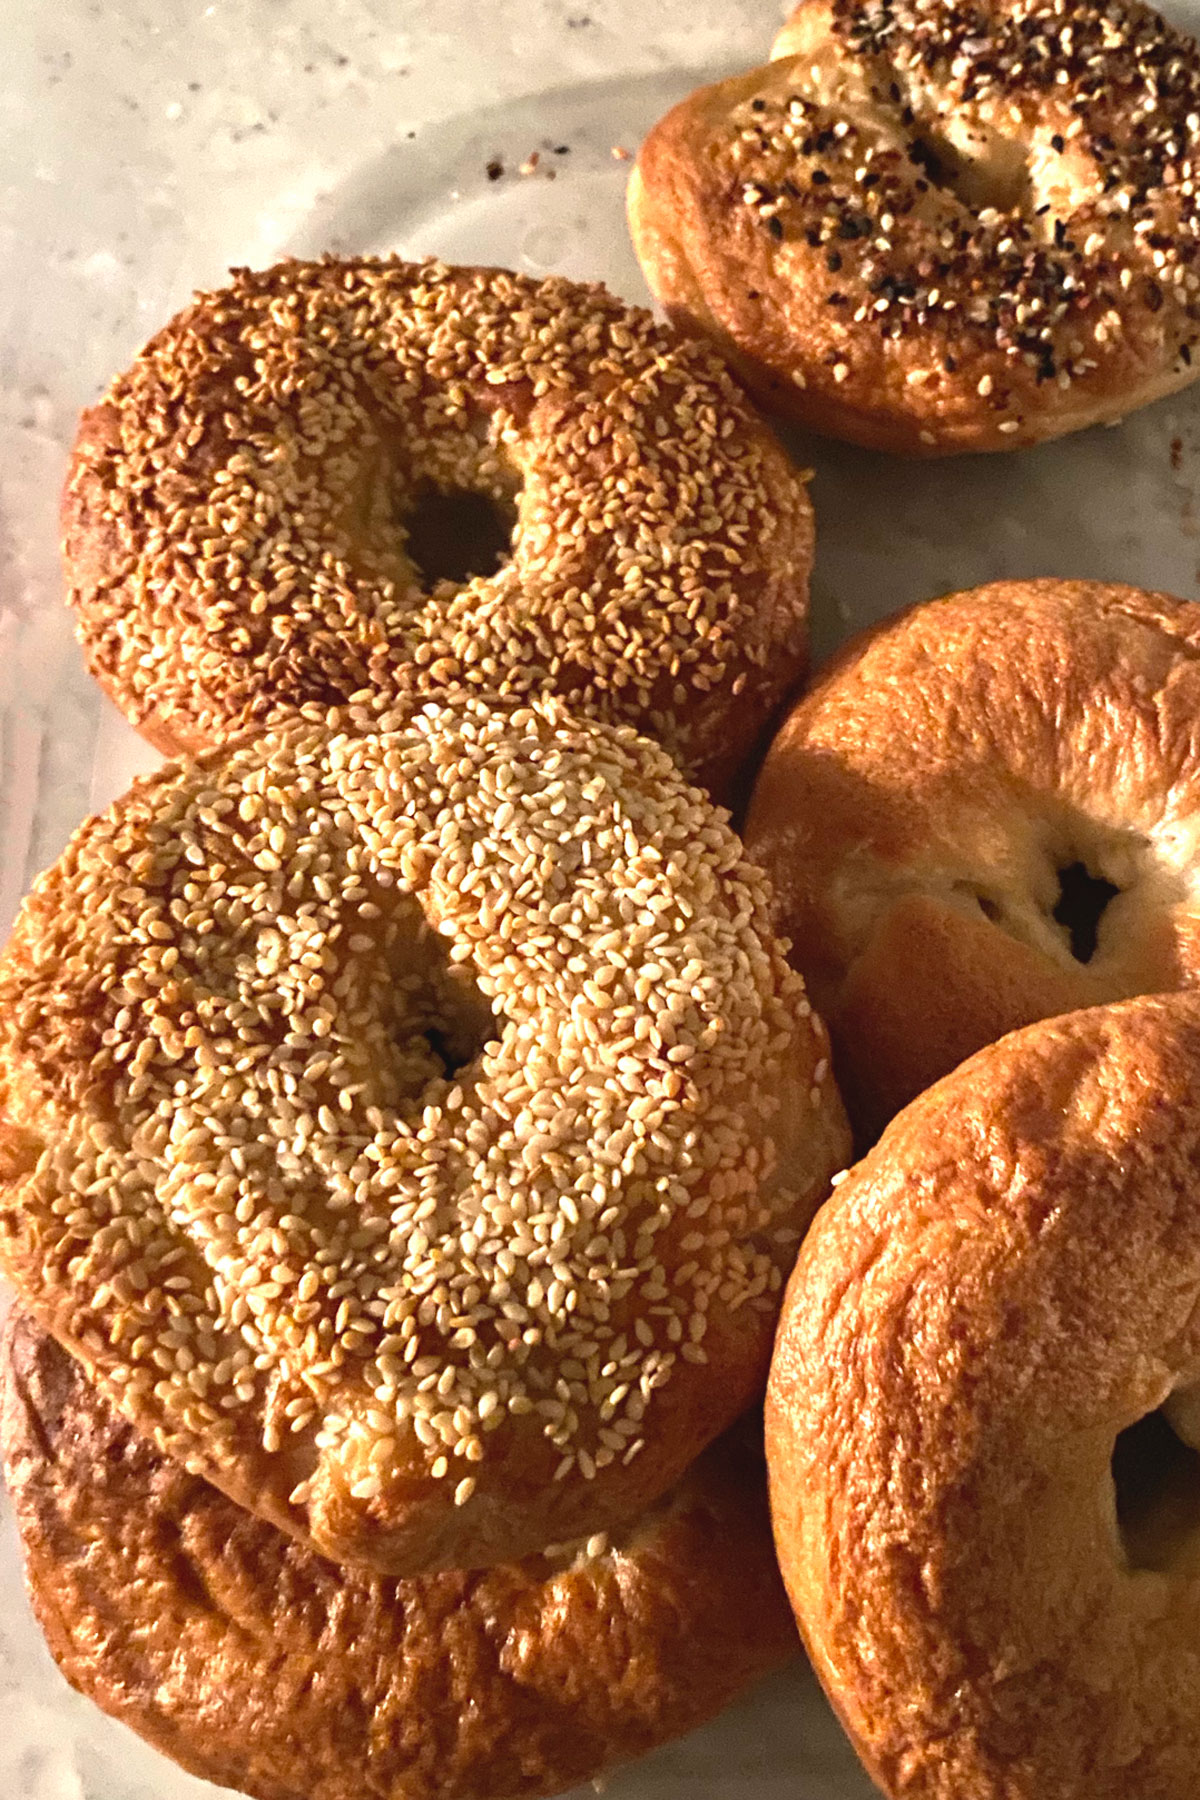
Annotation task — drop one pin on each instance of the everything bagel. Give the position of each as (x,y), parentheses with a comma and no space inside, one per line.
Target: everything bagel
(932,226)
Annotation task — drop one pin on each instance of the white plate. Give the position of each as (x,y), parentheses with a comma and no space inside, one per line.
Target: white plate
(142,153)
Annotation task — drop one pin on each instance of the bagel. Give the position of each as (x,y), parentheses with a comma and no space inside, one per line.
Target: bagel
(412,1130)
(259,1666)
(989,1531)
(939,225)
(273,508)
(987,811)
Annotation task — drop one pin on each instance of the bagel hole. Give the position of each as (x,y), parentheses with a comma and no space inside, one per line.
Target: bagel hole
(1156,1479)
(440,1020)
(458,534)
(994,174)
(453,1020)
(457,1042)
(1083,899)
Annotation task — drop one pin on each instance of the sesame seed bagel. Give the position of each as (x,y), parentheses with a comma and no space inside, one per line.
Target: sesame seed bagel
(240,511)
(410,1128)
(987,811)
(258,1665)
(932,226)
(989,1532)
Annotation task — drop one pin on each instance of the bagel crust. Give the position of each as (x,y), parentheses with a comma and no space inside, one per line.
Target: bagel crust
(412,1129)
(925,808)
(236,519)
(1006,1283)
(260,1666)
(931,226)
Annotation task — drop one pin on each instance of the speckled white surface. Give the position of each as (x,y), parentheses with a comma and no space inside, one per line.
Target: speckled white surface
(145,148)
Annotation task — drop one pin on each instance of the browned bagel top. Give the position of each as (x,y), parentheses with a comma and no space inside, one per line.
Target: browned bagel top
(257,1664)
(986,811)
(1007,1283)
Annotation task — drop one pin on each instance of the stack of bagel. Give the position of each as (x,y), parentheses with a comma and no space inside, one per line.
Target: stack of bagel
(929,227)
(408,1116)
(982,1422)
(419,1151)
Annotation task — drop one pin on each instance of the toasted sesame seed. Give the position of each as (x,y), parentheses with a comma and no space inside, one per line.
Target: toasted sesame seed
(256,531)
(378,1186)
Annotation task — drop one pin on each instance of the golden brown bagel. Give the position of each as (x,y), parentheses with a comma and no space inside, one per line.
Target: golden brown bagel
(934,225)
(244,509)
(1008,1283)
(260,1666)
(985,812)
(413,1129)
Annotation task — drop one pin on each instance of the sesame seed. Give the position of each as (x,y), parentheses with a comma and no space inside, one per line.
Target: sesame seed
(362,1175)
(256,535)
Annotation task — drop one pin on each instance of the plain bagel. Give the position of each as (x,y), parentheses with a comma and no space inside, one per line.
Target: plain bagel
(987,811)
(413,1130)
(258,1665)
(305,487)
(989,1530)
(934,225)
